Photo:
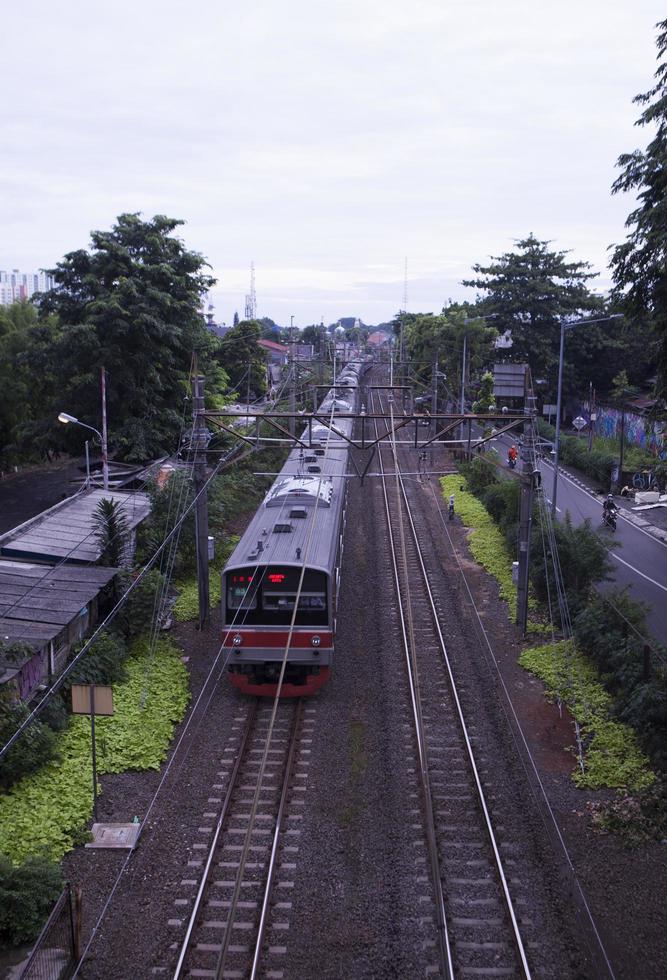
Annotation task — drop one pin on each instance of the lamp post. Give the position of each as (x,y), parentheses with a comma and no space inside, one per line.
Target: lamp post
(563,327)
(65,419)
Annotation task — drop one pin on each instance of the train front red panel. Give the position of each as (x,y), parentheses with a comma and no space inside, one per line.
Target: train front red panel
(274,639)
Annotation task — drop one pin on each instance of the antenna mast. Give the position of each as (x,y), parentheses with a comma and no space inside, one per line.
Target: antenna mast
(251,297)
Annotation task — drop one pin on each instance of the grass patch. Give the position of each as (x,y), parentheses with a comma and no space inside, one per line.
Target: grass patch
(46,812)
(186,607)
(487,544)
(612,755)
(358,761)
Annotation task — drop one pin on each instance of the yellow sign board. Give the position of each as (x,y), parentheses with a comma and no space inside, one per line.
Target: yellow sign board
(81,699)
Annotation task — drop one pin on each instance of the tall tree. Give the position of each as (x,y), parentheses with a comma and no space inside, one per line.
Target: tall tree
(639,265)
(243,359)
(529,290)
(446,336)
(131,304)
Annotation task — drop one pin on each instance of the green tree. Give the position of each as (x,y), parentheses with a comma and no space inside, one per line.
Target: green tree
(584,560)
(639,265)
(35,747)
(445,335)
(103,663)
(485,397)
(243,359)
(130,304)
(17,394)
(27,894)
(111,530)
(529,290)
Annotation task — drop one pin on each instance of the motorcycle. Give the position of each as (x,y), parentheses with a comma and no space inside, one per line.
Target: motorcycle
(511,462)
(609,519)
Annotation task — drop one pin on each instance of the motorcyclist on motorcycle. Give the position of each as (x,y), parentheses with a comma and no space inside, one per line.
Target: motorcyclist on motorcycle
(609,510)
(512,456)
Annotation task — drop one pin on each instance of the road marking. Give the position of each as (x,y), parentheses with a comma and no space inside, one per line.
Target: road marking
(637,572)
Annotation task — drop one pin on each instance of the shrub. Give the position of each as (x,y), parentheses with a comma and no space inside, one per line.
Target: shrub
(138,612)
(27,894)
(36,746)
(583,556)
(607,631)
(103,663)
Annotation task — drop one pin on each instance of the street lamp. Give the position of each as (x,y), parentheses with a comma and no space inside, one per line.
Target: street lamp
(65,419)
(563,327)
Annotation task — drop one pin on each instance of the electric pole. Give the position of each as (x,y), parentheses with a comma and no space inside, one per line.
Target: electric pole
(199,442)
(292,378)
(525,517)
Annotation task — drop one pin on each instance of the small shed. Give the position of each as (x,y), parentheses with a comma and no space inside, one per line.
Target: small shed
(49,609)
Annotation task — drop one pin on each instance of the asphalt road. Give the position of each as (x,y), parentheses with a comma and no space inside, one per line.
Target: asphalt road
(640,560)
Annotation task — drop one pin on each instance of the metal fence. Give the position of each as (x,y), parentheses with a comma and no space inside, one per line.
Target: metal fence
(56,951)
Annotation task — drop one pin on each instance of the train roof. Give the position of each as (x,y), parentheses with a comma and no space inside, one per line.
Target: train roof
(308,493)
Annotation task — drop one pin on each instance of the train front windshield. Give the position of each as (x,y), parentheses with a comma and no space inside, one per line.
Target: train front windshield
(266,596)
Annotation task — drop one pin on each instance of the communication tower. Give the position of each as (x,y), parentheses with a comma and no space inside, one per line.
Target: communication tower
(251,297)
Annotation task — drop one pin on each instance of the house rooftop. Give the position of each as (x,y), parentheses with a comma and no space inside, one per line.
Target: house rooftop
(66,532)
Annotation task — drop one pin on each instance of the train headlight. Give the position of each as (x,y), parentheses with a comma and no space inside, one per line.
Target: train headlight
(237,640)
(315,641)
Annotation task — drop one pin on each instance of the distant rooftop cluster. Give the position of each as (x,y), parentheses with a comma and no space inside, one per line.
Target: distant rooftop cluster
(16,286)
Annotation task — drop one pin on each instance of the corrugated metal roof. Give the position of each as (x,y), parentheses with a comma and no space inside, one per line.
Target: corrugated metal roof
(66,531)
(37,602)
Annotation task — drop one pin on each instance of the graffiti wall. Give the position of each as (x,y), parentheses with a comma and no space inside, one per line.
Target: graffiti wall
(638,430)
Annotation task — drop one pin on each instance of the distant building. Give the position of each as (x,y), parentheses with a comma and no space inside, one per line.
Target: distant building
(16,286)
(379,338)
(278,353)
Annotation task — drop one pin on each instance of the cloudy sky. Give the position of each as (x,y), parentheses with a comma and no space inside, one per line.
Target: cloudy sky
(325,140)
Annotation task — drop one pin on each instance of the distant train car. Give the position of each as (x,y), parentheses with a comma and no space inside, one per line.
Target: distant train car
(293,545)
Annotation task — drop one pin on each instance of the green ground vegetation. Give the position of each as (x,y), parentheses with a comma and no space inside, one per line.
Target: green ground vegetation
(45,812)
(612,753)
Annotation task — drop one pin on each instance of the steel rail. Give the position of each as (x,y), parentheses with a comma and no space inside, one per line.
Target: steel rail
(289,766)
(214,842)
(443,933)
(482,800)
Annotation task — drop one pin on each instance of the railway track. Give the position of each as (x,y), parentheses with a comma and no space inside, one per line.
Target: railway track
(228,924)
(479,932)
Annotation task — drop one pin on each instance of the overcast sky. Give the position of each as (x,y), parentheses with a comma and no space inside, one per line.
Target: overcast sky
(325,140)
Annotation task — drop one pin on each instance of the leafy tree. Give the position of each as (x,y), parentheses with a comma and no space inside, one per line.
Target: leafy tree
(35,747)
(243,359)
(111,530)
(236,319)
(103,663)
(15,388)
(529,290)
(426,336)
(138,612)
(131,304)
(639,265)
(485,395)
(584,560)
(27,894)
